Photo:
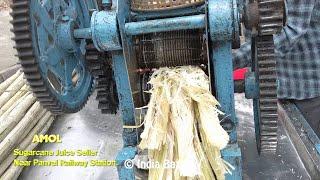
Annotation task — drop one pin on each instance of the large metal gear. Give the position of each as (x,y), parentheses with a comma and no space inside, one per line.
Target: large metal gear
(99,64)
(267,102)
(270,22)
(56,74)
(265,18)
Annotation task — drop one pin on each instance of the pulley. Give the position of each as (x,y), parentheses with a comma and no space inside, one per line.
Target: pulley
(52,59)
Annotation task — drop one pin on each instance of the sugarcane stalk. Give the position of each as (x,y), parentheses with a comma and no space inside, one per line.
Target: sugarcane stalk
(14,99)
(24,142)
(11,90)
(4,85)
(7,112)
(9,122)
(13,172)
(21,129)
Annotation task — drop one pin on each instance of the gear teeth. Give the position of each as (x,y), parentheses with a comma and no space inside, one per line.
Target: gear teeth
(108,111)
(32,76)
(100,67)
(44,94)
(26,45)
(20,12)
(20,20)
(271,16)
(268,94)
(23,38)
(20,29)
(27,53)
(36,83)
(30,69)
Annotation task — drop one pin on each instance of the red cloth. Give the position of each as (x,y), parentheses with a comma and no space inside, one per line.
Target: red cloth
(239,74)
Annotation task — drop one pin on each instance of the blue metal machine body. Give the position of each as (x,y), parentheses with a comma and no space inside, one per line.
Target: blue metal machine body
(218,17)
(59,32)
(104,31)
(252,90)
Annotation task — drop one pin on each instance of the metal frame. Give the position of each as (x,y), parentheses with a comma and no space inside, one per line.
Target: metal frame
(305,140)
(220,17)
(112,30)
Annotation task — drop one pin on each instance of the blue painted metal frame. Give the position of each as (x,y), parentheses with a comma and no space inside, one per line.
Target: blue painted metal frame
(222,64)
(222,68)
(120,60)
(124,171)
(232,154)
(251,86)
(127,108)
(220,17)
(104,31)
(221,21)
(125,97)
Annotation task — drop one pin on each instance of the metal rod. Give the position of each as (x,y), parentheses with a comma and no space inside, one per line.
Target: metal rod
(164,25)
(84,33)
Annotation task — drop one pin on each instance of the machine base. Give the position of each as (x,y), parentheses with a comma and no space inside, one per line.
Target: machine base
(231,154)
(123,157)
(302,136)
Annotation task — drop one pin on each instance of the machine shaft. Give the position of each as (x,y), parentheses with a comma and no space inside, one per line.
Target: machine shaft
(165,25)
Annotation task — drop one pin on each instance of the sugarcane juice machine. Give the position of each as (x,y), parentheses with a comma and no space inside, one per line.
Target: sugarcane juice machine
(68,48)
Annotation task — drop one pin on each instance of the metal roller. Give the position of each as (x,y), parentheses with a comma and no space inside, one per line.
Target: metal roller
(176,48)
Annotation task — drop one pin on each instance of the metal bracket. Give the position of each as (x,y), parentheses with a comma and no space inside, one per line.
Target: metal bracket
(221,20)
(104,31)
(251,86)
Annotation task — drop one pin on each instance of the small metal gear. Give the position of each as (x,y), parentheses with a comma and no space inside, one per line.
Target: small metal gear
(99,64)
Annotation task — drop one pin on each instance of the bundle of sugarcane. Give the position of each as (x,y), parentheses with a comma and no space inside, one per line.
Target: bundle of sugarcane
(182,126)
(21,117)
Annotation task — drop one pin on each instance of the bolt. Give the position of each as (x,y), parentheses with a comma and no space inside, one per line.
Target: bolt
(65,18)
(106,4)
